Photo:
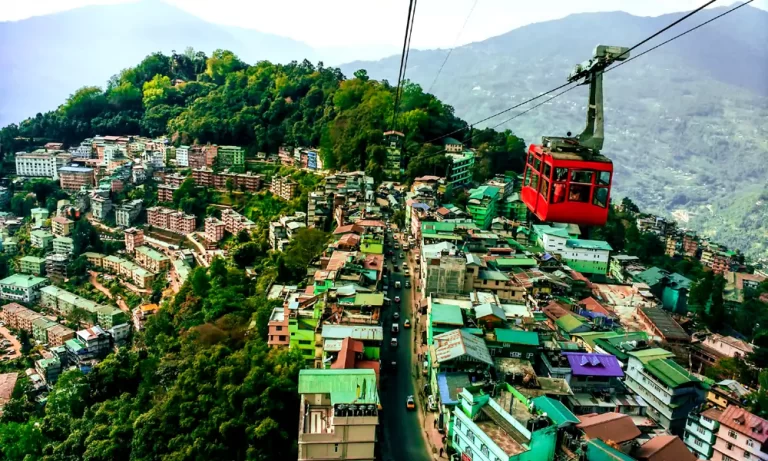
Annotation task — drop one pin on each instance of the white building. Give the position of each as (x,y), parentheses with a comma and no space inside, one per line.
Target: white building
(127,212)
(182,156)
(154,158)
(668,389)
(553,239)
(442,269)
(84,150)
(36,164)
(22,287)
(701,432)
(282,231)
(587,256)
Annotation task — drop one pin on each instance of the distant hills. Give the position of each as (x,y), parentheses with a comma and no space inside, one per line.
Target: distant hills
(685,124)
(44,59)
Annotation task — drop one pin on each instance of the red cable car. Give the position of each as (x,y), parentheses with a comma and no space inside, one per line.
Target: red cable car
(566,179)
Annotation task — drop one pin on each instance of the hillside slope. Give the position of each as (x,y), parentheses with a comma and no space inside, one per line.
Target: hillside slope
(684,123)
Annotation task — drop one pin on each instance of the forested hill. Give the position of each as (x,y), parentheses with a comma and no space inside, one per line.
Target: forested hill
(221,99)
(684,123)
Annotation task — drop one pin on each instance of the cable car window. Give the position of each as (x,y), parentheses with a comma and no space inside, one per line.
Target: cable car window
(583,176)
(558,193)
(530,158)
(604,178)
(544,186)
(535,181)
(578,193)
(527,179)
(537,164)
(601,197)
(547,170)
(561,174)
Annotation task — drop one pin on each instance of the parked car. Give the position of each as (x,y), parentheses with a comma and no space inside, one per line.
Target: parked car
(407,273)
(431,403)
(407,323)
(410,403)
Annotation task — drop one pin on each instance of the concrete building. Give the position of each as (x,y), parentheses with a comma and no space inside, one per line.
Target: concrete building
(151,259)
(36,164)
(234,222)
(283,187)
(100,206)
(32,265)
(62,226)
(701,432)
(482,205)
(587,256)
(393,140)
(670,391)
(319,210)
(171,220)
(73,178)
(232,157)
(460,168)
(39,216)
(742,435)
(58,334)
(64,302)
(63,245)
(56,265)
(165,193)
(88,346)
(282,231)
(442,269)
(133,238)
(338,414)
(41,239)
(214,229)
(126,213)
(182,156)
(24,288)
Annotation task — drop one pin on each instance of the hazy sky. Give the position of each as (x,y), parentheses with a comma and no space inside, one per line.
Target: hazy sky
(355,23)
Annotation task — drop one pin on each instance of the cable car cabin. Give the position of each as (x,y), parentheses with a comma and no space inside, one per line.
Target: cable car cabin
(566,187)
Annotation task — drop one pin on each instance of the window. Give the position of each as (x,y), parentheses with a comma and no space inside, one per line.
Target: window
(456,440)
(601,197)
(547,170)
(578,193)
(582,176)
(729,445)
(732,434)
(335,447)
(604,178)
(544,186)
(561,174)
(484,450)
(527,180)
(535,181)
(699,429)
(279,328)
(728,458)
(750,443)
(698,442)
(706,420)
(537,164)
(458,424)
(746,454)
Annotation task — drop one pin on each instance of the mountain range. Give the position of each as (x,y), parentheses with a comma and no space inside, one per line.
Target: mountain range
(685,124)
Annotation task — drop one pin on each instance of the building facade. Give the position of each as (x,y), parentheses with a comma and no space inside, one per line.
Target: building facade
(36,164)
(126,213)
(73,178)
(741,435)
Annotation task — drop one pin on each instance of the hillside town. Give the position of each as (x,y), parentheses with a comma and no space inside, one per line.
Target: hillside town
(490,336)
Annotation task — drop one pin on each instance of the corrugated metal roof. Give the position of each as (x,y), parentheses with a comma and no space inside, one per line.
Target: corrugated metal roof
(457,343)
(670,373)
(528,338)
(556,411)
(344,386)
(446,314)
(568,323)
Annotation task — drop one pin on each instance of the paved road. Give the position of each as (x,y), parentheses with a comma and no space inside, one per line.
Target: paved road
(402,434)
(120,303)
(15,344)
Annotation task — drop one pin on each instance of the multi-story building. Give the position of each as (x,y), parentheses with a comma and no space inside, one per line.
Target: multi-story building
(211,152)
(453,145)
(165,193)
(690,244)
(151,259)
(126,213)
(58,334)
(587,256)
(133,238)
(40,328)
(460,168)
(88,346)
(701,432)
(282,231)
(214,229)
(10,314)
(319,210)
(484,431)
(39,216)
(64,302)
(63,245)
(74,178)
(442,269)
(234,222)
(620,264)
(20,287)
(670,391)
(338,414)
(182,156)
(196,157)
(175,179)
(41,239)
(32,265)
(56,265)
(232,157)
(279,333)
(171,220)
(482,205)
(393,140)
(84,150)
(142,313)
(283,187)
(742,435)
(62,226)
(100,206)
(37,164)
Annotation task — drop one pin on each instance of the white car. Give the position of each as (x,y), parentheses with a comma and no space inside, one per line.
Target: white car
(393,342)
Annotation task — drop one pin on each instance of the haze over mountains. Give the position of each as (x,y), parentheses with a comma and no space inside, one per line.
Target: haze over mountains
(685,124)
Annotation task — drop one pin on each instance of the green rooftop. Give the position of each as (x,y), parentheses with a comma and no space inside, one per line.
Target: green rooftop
(555,410)
(568,323)
(542,229)
(23,280)
(528,338)
(67,240)
(670,373)
(504,263)
(344,386)
(651,354)
(447,314)
(41,233)
(589,244)
(369,299)
(33,260)
(74,345)
(611,344)
(152,254)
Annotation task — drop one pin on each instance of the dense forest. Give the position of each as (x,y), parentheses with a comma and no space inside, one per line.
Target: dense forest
(222,100)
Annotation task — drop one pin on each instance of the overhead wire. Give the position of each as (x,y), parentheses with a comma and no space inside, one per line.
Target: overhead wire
(455,42)
(404,57)
(558,88)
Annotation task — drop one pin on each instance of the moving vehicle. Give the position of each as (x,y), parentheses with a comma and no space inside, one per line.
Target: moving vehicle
(385,288)
(393,342)
(397,299)
(410,403)
(425,368)
(407,323)
(396,315)
(395,328)
(402,255)
(431,403)
(567,179)
(407,273)
(407,283)
(397,284)
(405,264)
